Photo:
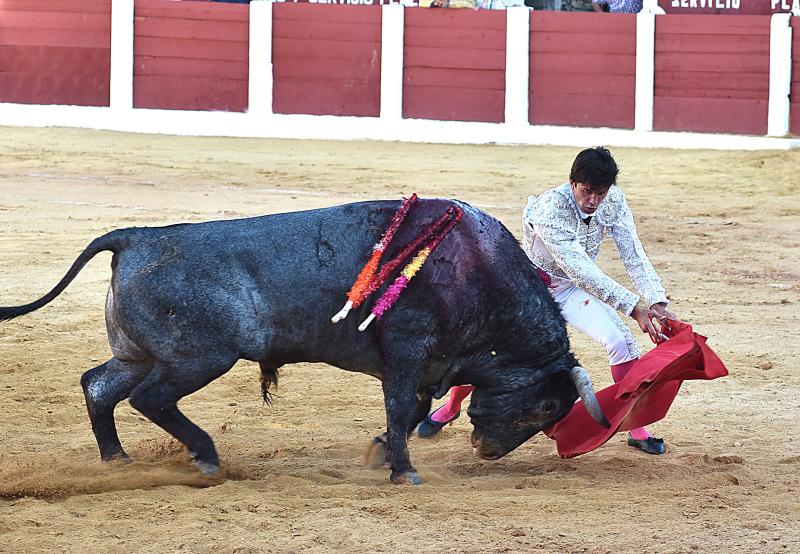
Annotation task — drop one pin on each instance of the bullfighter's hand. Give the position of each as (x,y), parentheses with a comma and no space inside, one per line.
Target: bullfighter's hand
(661,312)
(644,318)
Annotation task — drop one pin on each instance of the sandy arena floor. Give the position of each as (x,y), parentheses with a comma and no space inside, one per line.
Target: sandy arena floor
(723,228)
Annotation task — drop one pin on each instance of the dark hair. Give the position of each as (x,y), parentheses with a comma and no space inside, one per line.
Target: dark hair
(594,167)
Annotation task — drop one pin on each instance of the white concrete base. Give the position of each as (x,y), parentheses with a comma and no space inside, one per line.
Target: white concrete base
(229,124)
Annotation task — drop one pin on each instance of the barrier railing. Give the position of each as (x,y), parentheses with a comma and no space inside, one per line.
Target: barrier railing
(391,73)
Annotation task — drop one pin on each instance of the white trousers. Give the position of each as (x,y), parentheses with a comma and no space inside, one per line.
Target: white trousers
(598,320)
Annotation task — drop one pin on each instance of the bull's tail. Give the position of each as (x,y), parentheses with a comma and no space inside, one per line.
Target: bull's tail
(106,242)
(269,377)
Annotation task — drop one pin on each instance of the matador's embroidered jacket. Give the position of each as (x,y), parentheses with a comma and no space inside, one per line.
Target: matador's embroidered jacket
(557,239)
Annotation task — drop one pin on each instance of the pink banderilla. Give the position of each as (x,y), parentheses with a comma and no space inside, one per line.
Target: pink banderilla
(437,234)
(359,291)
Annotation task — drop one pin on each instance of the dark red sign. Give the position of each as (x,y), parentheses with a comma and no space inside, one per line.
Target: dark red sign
(731,7)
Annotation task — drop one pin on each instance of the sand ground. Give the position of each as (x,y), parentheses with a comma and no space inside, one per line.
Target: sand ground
(723,228)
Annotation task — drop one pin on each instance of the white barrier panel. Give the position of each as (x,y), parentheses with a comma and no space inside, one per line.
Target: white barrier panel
(645,70)
(121,85)
(780,75)
(392,21)
(518,32)
(259,86)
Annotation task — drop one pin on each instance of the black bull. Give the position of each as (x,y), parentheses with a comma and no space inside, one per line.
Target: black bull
(187,301)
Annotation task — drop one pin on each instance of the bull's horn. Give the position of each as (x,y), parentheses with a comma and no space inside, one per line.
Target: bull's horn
(586,391)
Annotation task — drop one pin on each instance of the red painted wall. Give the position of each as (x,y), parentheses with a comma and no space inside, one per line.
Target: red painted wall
(55,52)
(190,55)
(583,69)
(326,59)
(712,74)
(454,65)
(794,96)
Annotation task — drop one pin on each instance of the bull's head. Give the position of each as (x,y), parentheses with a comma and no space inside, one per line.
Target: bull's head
(504,418)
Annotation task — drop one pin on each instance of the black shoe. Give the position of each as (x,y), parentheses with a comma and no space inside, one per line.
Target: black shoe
(428,427)
(651,445)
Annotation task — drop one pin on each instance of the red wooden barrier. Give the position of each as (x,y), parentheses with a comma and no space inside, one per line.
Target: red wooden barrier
(454,65)
(326,59)
(794,97)
(55,52)
(711,74)
(583,69)
(712,78)
(190,55)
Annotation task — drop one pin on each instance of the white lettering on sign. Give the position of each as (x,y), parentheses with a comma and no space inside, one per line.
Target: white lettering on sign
(775,6)
(786,5)
(721,4)
(350,2)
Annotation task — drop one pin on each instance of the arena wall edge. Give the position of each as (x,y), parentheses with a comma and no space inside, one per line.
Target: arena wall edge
(794,96)
(260,121)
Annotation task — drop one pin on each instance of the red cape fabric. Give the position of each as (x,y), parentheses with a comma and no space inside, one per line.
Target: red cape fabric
(644,395)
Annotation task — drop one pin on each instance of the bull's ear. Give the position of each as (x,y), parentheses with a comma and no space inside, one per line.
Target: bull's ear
(557,383)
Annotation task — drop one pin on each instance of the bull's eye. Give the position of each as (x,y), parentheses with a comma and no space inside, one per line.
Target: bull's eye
(541,412)
(526,422)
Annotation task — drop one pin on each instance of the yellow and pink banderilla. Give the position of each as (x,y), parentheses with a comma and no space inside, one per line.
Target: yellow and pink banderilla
(370,278)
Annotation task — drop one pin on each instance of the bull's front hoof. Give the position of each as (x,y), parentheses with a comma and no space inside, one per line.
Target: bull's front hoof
(375,453)
(405,478)
(208,469)
(117,456)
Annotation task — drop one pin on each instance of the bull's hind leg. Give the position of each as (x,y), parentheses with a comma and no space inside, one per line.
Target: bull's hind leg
(104,387)
(156,398)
